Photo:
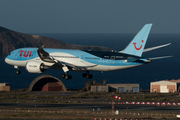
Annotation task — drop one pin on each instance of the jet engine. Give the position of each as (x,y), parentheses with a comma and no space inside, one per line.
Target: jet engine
(35,67)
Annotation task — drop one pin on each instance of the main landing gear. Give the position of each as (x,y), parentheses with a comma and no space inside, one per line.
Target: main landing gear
(18,71)
(66,76)
(87,75)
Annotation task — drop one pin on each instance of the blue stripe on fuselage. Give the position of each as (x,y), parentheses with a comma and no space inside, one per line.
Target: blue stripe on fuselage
(99,58)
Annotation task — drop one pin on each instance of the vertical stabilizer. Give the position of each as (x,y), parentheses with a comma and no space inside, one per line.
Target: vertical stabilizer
(136,46)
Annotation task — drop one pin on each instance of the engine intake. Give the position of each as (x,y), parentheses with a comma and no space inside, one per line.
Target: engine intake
(35,67)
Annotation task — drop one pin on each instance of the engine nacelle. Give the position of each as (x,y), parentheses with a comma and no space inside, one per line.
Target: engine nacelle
(35,67)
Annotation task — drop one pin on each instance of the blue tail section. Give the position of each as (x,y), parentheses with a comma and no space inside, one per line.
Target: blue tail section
(136,46)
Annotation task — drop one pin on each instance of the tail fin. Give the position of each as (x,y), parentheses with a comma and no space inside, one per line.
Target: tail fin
(136,46)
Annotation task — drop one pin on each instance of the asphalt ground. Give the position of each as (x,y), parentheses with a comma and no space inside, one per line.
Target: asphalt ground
(86,104)
(90,107)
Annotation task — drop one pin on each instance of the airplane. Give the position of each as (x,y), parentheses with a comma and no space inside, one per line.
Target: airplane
(37,60)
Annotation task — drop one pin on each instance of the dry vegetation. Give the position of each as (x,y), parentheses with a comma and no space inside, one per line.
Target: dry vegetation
(22,95)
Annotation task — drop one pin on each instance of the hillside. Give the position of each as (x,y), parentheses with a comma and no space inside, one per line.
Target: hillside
(10,40)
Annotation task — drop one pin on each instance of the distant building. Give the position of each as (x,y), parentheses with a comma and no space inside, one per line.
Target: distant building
(165,86)
(47,83)
(4,86)
(95,88)
(123,87)
(116,88)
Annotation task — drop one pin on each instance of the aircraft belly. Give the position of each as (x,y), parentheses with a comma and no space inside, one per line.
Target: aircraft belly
(110,68)
(17,63)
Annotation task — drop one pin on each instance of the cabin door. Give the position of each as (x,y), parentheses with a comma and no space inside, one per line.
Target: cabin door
(15,54)
(112,59)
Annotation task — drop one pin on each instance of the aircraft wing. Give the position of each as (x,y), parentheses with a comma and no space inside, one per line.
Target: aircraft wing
(153,48)
(44,56)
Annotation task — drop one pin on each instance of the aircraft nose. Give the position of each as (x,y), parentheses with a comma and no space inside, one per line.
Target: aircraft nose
(7,60)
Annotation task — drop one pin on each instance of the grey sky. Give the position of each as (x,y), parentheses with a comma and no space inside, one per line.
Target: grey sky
(90,16)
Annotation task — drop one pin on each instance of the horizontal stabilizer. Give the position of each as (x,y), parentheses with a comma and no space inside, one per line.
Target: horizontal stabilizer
(155,58)
(153,48)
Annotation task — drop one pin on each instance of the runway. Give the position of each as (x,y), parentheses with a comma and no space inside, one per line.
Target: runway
(92,106)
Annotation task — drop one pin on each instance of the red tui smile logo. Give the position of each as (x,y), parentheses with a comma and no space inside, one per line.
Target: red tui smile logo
(139,47)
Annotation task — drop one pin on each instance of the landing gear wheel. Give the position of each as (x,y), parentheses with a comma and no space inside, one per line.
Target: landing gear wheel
(89,76)
(18,72)
(84,74)
(66,77)
(63,75)
(69,76)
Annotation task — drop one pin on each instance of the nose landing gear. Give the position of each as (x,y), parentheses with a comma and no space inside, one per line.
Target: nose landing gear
(18,71)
